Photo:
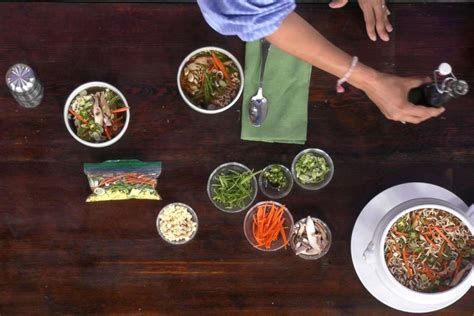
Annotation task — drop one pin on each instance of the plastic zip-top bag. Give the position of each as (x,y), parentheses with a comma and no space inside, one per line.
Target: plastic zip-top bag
(114,180)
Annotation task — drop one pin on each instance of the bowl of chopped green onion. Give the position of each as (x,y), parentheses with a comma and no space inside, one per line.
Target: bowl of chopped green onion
(312,169)
(275,181)
(232,187)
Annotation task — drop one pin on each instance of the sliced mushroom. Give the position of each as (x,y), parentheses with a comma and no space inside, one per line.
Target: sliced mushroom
(458,277)
(310,231)
(98,116)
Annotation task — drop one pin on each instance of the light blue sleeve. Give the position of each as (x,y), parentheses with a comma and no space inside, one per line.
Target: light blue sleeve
(250,20)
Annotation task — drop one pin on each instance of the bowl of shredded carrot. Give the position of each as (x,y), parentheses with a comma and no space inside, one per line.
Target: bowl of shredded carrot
(267,226)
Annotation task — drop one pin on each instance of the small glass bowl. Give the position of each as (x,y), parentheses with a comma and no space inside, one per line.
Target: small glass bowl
(195,219)
(224,168)
(325,250)
(248,224)
(271,191)
(327,178)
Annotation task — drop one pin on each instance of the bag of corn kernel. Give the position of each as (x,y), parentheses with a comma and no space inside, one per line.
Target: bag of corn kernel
(114,180)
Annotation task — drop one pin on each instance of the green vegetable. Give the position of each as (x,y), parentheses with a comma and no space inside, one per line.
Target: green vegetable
(233,188)
(276,177)
(311,169)
(207,88)
(402,224)
(431,260)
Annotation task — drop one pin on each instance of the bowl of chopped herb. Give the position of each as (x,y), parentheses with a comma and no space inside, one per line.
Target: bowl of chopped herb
(232,187)
(275,181)
(312,169)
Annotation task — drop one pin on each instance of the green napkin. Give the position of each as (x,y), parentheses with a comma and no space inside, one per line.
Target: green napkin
(286,87)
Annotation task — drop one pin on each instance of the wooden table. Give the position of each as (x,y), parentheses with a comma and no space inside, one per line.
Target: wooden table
(61,255)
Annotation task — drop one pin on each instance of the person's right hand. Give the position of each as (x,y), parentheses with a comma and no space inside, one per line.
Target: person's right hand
(375,15)
(390,94)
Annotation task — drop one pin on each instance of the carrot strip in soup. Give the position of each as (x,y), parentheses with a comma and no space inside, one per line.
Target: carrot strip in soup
(220,65)
(77,115)
(450,243)
(405,261)
(123,109)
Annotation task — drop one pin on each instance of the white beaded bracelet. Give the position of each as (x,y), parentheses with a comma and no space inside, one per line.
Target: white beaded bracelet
(339,87)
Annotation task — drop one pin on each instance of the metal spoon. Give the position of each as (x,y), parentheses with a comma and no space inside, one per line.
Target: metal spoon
(258,105)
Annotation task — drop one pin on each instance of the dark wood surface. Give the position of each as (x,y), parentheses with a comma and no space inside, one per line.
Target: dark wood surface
(60,255)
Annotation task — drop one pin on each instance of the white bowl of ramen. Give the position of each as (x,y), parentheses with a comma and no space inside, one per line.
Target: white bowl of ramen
(411,262)
(210,80)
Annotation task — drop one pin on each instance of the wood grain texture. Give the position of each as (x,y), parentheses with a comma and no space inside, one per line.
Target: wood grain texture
(63,256)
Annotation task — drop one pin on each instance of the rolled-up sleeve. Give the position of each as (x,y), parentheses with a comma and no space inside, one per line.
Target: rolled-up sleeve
(249,20)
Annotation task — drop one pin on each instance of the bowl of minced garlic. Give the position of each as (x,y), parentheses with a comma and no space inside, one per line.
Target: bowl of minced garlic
(177,223)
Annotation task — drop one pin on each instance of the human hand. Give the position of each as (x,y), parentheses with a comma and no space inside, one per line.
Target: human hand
(390,94)
(375,15)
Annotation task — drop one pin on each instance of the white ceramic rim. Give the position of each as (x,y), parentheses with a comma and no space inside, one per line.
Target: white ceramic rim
(85,86)
(185,98)
(193,214)
(290,230)
(211,176)
(386,271)
(320,185)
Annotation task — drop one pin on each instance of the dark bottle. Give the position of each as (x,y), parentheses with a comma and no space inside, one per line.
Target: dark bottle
(438,93)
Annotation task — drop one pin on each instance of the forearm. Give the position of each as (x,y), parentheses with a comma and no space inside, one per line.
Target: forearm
(300,39)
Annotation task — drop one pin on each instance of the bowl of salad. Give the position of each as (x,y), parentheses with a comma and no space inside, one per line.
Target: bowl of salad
(210,80)
(96,114)
(312,169)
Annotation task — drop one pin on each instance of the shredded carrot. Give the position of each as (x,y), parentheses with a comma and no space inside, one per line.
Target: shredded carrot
(268,225)
(429,240)
(77,115)
(405,261)
(450,243)
(115,178)
(441,249)
(138,181)
(122,109)
(220,65)
(400,233)
(429,272)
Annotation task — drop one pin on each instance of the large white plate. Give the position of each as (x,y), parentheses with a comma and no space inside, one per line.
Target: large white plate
(364,229)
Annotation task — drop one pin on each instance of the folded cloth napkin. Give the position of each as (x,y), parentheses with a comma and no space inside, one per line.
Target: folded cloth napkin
(286,86)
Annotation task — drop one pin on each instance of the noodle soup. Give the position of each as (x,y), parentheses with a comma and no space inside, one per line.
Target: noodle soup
(210,79)
(429,250)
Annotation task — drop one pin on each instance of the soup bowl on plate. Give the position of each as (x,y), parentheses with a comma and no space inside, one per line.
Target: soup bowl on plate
(391,227)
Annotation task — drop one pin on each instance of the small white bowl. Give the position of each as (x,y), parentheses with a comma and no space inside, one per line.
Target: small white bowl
(195,219)
(183,94)
(70,125)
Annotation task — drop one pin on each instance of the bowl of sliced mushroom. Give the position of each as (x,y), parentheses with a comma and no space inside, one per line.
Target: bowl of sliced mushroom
(311,238)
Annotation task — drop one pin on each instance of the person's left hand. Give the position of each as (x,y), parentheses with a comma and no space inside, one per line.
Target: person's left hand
(375,15)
